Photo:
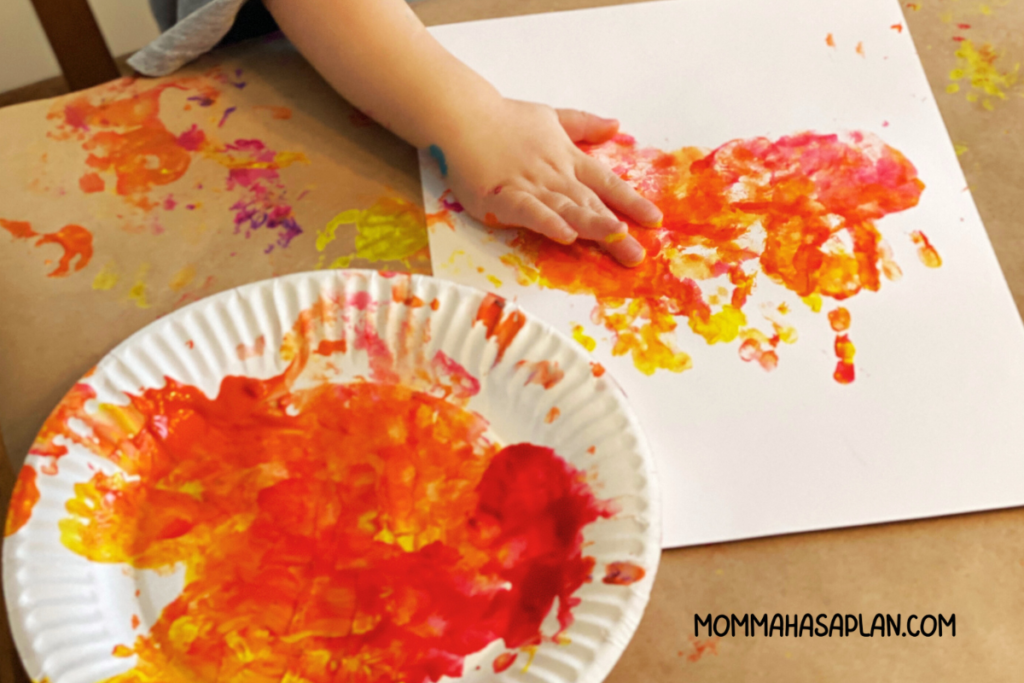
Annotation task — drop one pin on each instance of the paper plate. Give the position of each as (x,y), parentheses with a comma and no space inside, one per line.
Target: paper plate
(340,475)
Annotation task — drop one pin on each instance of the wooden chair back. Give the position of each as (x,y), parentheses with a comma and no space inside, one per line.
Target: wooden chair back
(77,42)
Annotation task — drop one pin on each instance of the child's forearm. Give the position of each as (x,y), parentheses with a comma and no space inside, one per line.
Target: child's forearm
(379,56)
(507,162)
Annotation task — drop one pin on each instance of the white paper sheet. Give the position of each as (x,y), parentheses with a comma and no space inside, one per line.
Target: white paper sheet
(934,422)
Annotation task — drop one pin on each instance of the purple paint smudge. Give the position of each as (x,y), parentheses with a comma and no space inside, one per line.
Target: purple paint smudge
(452,205)
(227,113)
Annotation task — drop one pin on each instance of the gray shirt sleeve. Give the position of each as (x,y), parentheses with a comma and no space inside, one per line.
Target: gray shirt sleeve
(191,28)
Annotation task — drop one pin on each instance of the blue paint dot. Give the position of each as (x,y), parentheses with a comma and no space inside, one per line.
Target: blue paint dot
(438,155)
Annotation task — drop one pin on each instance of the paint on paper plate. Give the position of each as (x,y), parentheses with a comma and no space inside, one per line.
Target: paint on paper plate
(367,531)
(801,211)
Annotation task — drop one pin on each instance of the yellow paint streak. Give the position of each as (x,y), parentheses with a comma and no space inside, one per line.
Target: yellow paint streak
(182,278)
(138,291)
(106,279)
(581,337)
(329,233)
(722,326)
(642,331)
(393,229)
(813,302)
(978,67)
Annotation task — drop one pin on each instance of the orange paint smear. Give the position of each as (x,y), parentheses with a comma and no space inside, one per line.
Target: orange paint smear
(120,127)
(552,415)
(75,240)
(361,532)
(329,348)
(925,251)
(596,369)
(502,329)
(401,294)
(91,182)
(124,134)
(800,210)
(622,573)
(700,648)
(23,500)
(839,319)
(504,661)
(444,214)
(830,41)
(279,113)
(845,351)
(546,373)
(243,352)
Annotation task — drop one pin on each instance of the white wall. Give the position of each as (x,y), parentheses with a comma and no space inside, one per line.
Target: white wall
(25,56)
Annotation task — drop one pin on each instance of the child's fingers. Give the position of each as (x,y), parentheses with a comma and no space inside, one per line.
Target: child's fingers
(583,127)
(616,193)
(525,210)
(597,225)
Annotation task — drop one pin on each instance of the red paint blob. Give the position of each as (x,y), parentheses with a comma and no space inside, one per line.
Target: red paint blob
(503,661)
(622,573)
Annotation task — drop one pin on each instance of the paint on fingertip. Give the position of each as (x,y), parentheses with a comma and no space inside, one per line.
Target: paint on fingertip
(615,237)
(438,155)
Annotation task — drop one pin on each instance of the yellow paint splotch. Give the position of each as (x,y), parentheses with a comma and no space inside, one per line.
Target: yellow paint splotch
(393,229)
(138,293)
(106,279)
(977,66)
(182,278)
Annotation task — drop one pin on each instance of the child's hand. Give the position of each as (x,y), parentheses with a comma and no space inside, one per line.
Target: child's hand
(379,56)
(519,167)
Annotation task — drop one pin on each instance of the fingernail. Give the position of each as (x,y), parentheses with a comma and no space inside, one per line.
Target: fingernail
(655,224)
(634,255)
(567,237)
(615,237)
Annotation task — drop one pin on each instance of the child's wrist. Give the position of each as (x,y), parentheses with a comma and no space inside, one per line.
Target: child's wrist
(460,115)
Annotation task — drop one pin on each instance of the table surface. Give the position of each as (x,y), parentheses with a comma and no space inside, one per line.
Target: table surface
(148,260)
